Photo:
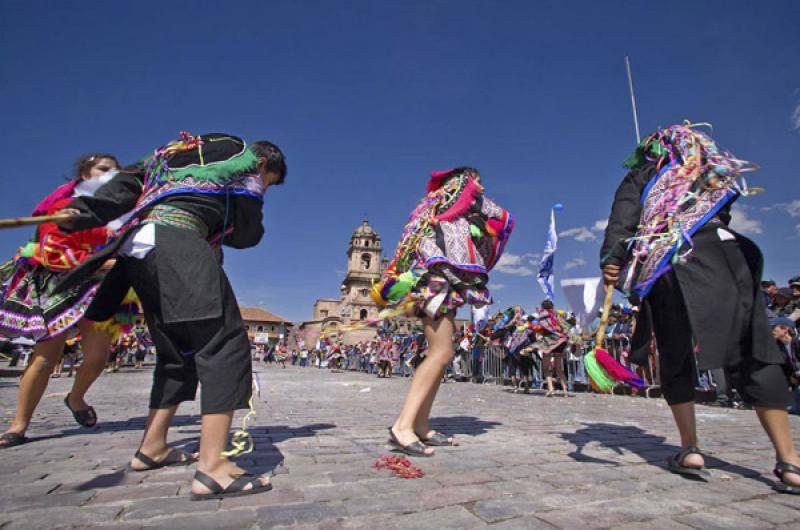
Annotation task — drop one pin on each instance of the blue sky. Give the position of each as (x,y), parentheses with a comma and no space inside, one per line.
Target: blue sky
(366,98)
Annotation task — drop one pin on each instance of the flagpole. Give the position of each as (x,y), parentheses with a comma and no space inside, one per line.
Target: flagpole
(633,99)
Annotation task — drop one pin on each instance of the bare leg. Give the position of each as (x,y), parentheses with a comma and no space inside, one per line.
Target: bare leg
(34,381)
(213,441)
(687,427)
(428,376)
(776,425)
(95,346)
(561,376)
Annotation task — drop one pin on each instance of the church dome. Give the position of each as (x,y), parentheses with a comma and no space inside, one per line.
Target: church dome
(364,230)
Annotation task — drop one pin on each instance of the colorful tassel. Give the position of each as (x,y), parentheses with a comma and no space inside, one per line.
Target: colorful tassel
(615,370)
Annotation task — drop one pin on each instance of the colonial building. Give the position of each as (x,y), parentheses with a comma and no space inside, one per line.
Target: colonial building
(265,327)
(365,264)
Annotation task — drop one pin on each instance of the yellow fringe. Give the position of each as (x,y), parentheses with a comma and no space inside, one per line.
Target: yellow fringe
(242,441)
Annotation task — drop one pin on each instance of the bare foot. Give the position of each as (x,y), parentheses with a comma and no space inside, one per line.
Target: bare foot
(693,461)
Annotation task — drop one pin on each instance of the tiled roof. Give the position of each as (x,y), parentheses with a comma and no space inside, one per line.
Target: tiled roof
(257,314)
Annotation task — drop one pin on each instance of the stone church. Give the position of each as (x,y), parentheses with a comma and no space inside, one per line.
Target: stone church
(365,263)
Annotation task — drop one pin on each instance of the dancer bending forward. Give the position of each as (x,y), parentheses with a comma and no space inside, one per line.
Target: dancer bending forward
(668,244)
(452,239)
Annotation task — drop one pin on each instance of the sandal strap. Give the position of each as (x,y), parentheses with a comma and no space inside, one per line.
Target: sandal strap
(212,485)
(146,460)
(240,483)
(691,450)
(785,467)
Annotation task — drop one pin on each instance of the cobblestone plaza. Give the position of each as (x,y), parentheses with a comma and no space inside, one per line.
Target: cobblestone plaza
(524,461)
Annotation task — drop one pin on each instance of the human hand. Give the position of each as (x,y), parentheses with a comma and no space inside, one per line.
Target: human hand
(108,265)
(611,274)
(67,223)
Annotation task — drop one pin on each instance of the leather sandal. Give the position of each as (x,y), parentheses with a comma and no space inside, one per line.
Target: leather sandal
(12,439)
(175,457)
(86,417)
(438,439)
(415,448)
(675,464)
(782,487)
(234,489)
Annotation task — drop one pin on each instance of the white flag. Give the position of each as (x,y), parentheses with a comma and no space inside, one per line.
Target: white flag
(585,298)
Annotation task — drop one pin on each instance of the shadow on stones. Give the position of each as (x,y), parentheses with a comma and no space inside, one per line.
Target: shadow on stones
(265,457)
(453,425)
(650,447)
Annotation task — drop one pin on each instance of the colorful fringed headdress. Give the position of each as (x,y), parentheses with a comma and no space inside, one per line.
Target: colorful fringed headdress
(695,179)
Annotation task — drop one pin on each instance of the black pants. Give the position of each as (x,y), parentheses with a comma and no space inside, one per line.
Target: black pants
(758,383)
(214,351)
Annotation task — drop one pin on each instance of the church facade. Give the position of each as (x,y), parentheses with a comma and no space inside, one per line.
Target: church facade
(333,316)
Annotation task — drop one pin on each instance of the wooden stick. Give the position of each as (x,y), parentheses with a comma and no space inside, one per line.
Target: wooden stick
(25,221)
(601,331)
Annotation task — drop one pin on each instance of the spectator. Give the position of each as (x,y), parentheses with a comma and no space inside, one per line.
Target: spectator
(783,330)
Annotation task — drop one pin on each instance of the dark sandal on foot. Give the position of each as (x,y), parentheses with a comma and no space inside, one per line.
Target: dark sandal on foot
(415,448)
(175,457)
(234,489)
(438,439)
(782,487)
(86,417)
(12,439)
(675,464)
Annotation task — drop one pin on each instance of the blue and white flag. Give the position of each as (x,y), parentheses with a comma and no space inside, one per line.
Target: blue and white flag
(545,276)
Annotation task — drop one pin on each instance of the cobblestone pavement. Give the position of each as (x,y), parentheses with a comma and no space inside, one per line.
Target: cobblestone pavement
(525,461)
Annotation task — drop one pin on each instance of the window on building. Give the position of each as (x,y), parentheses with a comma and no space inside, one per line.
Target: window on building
(366,243)
(364,292)
(323,313)
(366,261)
(260,328)
(362,315)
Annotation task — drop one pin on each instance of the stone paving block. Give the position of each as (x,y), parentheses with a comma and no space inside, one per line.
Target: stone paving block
(62,516)
(228,519)
(792,501)
(655,524)
(128,494)
(298,513)
(387,503)
(341,491)
(765,510)
(722,518)
(462,478)
(507,507)
(446,496)
(275,497)
(149,508)
(452,517)
(522,523)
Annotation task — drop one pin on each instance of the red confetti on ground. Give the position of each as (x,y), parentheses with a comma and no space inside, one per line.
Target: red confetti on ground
(399,466)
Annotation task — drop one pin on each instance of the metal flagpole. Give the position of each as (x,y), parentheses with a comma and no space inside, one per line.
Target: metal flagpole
(633,99)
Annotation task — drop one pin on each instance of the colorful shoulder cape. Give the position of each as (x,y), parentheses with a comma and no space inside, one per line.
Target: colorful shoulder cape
(696,178)
(208,164)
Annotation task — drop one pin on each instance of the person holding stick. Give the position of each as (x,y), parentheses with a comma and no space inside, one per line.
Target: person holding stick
(31,308)
(668,246)
(189,198)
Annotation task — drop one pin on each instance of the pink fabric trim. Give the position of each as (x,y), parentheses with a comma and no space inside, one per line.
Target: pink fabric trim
(436,179)
(463,203)
(62,192)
